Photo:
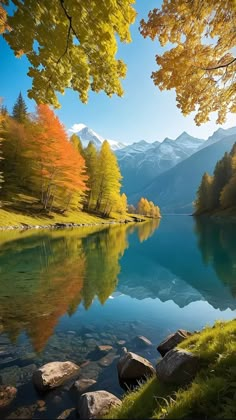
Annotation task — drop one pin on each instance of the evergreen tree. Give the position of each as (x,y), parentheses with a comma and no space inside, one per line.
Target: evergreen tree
(1,130)
(204,200)
(91,161)
(20,109)
(77,144)
(221,176)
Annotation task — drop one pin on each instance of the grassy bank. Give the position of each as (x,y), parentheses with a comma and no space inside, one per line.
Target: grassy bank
(18,218)
(211,395)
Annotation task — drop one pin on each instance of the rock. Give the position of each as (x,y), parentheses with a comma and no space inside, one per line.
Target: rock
(177,366)
(142,341)
(67,414)
(104,349)
(108,359)
(54,374)
(93,405)
(82,385)
(121,343)
(132,369)
(172,340)
(7,395)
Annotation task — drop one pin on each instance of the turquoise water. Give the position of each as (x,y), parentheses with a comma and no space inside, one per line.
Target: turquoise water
(62,293)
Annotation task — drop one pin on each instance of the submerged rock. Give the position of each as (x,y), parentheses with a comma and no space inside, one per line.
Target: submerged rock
(141,341)
(67,414)
(93,405)
(133,368)
(172,340)
(54,374)
(7,395)
(103,349)
(82,385)
(177,366)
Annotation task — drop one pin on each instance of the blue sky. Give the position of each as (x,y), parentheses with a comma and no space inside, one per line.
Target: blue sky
(143,113)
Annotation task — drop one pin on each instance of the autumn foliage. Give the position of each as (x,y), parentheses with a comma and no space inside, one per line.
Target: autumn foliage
(218,192)
(38,160)
(199,57)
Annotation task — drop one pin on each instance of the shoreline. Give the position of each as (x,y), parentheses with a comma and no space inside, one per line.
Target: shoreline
(66,225)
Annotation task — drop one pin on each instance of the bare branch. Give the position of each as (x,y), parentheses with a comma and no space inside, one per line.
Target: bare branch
(220,66)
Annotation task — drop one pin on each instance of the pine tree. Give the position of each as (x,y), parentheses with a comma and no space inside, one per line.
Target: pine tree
(77,144)
(221,176)
(204,200)
(20,109)
(91,161)
(1,130)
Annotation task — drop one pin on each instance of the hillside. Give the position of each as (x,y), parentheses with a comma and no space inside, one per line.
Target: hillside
(210,395)
(175,190)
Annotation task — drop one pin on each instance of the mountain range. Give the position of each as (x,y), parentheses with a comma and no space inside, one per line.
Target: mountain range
(175,189)
(87,135)
(167,172)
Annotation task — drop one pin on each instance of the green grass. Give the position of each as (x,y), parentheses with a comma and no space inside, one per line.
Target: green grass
(212,394)
(16,217)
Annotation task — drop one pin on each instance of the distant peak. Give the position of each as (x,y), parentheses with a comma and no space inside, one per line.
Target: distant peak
(77,127)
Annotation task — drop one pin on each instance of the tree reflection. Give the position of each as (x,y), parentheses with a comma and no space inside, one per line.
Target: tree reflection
(48,274)
(145,230)
(216,241)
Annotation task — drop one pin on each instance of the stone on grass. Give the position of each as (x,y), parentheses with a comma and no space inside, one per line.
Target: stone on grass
(172,340)
(54,374)
(7,395)
(132,369)
(93,405)
(178,367)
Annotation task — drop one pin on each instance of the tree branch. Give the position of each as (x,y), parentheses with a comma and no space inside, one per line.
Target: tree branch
(220,66)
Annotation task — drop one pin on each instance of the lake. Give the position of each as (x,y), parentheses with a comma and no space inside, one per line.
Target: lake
(64,292)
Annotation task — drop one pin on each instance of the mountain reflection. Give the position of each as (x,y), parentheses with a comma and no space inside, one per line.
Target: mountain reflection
(169,266)
(46,275)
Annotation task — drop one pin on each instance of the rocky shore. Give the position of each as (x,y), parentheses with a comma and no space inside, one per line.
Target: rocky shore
(58,380)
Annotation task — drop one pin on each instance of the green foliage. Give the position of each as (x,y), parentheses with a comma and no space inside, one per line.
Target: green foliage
(203,200)
(210,395)
(71,44)
(218,191)
(20,110)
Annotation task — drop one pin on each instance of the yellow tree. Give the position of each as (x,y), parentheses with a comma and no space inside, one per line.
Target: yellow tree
(108,180)
(200,66)
(70,44)
(77,144)
(91,161)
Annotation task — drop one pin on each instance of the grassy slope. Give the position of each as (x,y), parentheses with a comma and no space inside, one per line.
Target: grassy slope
(15,218)
(211,395)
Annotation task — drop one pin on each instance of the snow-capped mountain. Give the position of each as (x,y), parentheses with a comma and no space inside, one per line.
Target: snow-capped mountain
(86,135)
(142,161)
(218,135)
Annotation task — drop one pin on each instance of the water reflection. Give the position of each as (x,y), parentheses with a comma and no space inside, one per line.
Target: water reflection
(169,266)
(216,241)
(45,275)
